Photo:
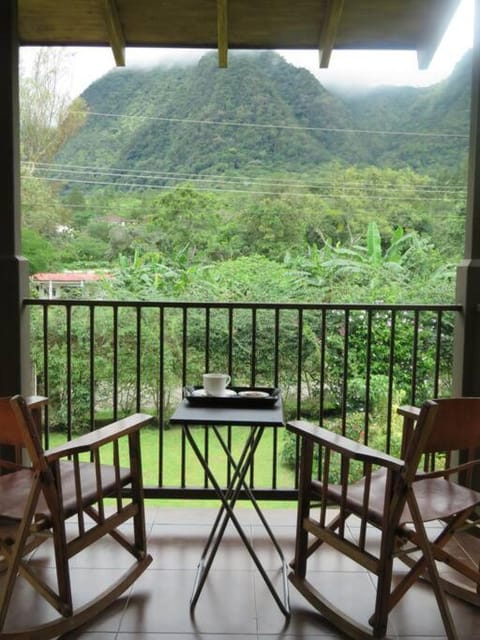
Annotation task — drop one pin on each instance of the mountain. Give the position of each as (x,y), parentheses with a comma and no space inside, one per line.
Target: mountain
(437,118)
(263,115)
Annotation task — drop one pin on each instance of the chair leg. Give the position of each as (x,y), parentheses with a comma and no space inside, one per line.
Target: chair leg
(379,619)
(15,552)
(431,567)
(65,602)
(301,543)
(478,583)
(13,558)
(140,535)
(63,572)
(417,567)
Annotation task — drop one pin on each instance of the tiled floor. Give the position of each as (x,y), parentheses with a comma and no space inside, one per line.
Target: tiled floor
(235,603)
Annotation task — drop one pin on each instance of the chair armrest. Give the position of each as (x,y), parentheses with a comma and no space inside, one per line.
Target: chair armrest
(409,411)
(341,444)
(101,436)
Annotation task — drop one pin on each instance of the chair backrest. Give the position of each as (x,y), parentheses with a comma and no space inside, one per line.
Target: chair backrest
(452,439)
(419,439)
(18,429)
(10,433)
(457,425)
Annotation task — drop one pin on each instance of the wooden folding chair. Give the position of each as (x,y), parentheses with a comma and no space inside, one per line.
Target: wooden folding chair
(68,482)
(396,496)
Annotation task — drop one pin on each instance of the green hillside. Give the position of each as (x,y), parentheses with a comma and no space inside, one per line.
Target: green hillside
(262,115)
(439,114)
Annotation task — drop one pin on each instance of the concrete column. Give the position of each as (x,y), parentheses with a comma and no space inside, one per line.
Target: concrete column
(14,327)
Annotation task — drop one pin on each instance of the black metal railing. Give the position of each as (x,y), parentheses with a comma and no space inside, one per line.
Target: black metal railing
(346,367)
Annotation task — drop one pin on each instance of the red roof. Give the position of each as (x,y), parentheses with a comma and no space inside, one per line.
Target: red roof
(76,276)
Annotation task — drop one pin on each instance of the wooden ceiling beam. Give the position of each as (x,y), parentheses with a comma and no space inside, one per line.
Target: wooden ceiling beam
(424,57)
(333,15)
(222,33)
(115,31)
(432,37)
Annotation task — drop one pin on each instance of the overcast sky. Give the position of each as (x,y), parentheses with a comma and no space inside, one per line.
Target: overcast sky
(347,69)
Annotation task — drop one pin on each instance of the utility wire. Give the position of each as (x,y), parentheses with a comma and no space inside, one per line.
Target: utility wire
(45,168)
(141,186)
(34,206)
(250,125)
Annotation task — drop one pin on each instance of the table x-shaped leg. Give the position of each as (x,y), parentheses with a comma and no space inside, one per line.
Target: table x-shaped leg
(228,499)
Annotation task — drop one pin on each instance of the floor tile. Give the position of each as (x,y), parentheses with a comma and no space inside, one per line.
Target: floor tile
(417,614)
(90,635)
(352,590)
(181,547)
(226,604)
(319,634)
(28,607)
(184,636)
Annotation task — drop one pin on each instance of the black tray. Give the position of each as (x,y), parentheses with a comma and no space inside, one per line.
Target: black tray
(233,401)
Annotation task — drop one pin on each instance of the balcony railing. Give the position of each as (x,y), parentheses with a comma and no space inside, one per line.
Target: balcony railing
(346,367)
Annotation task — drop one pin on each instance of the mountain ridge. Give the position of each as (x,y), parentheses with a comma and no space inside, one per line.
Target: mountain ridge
(262,114)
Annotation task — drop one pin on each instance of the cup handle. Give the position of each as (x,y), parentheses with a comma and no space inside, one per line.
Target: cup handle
(229,379)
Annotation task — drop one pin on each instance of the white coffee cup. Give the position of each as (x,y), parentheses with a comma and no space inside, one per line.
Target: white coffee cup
(215,383)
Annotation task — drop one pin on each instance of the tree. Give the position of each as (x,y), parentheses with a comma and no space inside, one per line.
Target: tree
(404,268)
(185,217)
(272,225)
(47,118)
(40,251)
(47,114)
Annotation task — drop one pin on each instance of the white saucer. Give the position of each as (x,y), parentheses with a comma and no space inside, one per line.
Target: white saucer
(253,393)
(227,394)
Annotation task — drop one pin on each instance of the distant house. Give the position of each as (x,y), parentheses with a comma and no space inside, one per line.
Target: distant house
(52,285)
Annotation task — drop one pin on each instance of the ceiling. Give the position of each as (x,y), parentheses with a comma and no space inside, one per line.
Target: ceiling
(238,24)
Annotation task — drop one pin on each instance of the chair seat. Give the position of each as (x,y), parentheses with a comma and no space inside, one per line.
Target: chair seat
(15,487)
(437,498)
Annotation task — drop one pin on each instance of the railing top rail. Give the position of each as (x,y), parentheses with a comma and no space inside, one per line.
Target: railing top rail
(241,305)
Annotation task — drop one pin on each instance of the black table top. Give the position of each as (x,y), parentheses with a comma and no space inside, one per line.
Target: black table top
(272,416)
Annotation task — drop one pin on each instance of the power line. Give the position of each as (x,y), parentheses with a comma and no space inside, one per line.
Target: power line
(227,180)
(141,186)
(178,175)
(229,123)
(451,217)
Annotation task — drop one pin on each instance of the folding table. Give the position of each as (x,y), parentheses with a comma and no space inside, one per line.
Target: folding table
(255,419)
